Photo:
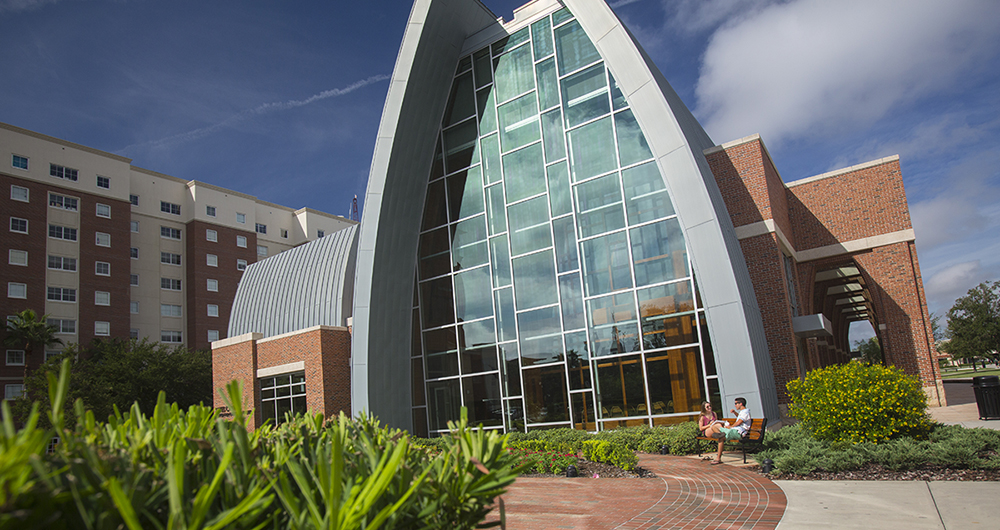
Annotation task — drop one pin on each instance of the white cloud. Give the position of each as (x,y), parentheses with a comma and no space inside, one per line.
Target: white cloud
(811,66)
(948,284)
(14,6)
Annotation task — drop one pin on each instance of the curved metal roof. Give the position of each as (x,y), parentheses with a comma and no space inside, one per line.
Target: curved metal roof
(310,285)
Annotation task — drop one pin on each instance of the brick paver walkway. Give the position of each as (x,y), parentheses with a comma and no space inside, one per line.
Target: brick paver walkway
(686,493)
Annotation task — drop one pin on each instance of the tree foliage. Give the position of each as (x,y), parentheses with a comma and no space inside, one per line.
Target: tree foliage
(27,331)
(870,350)
(119,372)
(974,323)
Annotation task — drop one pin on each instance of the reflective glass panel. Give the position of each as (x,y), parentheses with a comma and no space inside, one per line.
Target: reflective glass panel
(511,369)
(583,411)
(435,209)
(585,95)
(548,84)
(514,74)
(515,414)
(599,206)
(487,111)
(462,102)
(708,355)
(605,264)
(484,68)
(443,403)
(545,394)
(477,345)
(540,336)
(552,135)
(578,360)
(659,252)
(482,399)
(468,247)
(506,324)
(559,194)
(524,173)
(675,383)
(417,381)
(436,303)
(420,422)
(529,225)
(541,38)
(645,195)
(491,158)
(656,303)
(571,301)
(620,387)
(460,146)
(592,149)
(561,16)
(441,352)
(470,286)
(465,194)
(500,262)
(632,146)
(573,48)
(565,244)
(437,165)
(617,99)
(612,325)
(534,280)
(518,122)
(496,210)
(434,260)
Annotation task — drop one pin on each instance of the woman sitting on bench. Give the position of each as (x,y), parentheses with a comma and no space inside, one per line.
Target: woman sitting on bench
(737,431)
(706,418)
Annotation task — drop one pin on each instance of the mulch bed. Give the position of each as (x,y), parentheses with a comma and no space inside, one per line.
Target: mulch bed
(588,469)
(876,472)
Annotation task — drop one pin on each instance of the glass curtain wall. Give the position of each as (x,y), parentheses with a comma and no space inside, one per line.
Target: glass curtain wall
(553,285)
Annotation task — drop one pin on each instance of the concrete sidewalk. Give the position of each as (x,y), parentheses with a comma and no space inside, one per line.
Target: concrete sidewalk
(909,505)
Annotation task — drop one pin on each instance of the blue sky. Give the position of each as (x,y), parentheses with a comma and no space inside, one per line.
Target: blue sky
(282,100)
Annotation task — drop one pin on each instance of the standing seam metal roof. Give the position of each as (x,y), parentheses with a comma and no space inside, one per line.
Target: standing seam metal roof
(306,286)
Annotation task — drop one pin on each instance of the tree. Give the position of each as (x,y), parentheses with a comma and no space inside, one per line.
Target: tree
(974,323)
(118,372)
(26,331)
(870,350)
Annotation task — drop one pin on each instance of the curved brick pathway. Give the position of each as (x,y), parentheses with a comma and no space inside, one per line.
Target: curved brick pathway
(686,493)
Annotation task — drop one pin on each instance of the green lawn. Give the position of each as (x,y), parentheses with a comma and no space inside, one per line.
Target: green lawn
(966,373)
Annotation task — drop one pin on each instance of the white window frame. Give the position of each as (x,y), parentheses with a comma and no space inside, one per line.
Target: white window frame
(212,260)
(17,290)
(284,233)
(15,363)
(107,208)
(17,262)
(212,285)
(97,268)
(168,258)
(133,252)
(19,189)
(213,310)
(133,307)
(62,263)
(14,157)
(241,241)
(262,251)
(171,284)
(60,324)
(133,199)
(63,172)
(102,329)
(260,228)
(13,391)
(134,227)
(63,231)
(99,295)
(241,264)
(210,210)
(133,333)
(213,332)
(133,280)
(320,233)
(170,208)
(170,231)
(62,294)
(171,310)
(61,201)
(105,236)
(106,180)
(241,218)
(170,339)
(11,226)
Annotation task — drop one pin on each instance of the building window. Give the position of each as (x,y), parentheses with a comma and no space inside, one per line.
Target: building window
(133,252)
(12,392)
(62,325)
(169,207)
(62,232)
(15,357)
(61,172)
(133,279)
(103,182)
(17,290)
(61,263)
(103,240)
(103,210)
(241,264)
(19,162)
(262,251)
(102,268)
(281,394)
(213,335)
(17,257)
(212,260)
(19,225)
(18,193)
(171,336)
(102,298)
(241,218)
(170,259)
(167,310)
(170,284)
(63,202)
(61,294)
(52,353)
(102,329)
(133,307)
(135,227)
(134,199)
(213,310)
(133,333)
(260,228)
(211,235)
(241,241)
(210,211)
(284,233)
(170,233)
(320,233)
(212,285)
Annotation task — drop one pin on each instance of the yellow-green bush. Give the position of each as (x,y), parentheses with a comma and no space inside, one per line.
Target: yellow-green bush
(610,453)
(856,403)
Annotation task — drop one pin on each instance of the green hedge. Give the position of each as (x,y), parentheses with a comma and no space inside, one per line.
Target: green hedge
(612,453)
(192,470)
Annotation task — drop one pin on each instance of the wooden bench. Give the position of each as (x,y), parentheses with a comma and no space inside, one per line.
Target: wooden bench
(753,438)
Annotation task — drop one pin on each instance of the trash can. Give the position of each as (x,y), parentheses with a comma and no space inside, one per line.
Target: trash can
(987,389)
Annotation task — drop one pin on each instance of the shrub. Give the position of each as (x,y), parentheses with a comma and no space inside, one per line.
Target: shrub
(855,403)
(679,439)
(610,453)
(541,461)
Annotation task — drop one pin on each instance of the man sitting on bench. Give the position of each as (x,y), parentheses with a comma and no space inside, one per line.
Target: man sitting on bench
(737,431)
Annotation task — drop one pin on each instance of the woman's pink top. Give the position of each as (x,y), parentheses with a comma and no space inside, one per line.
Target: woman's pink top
(706,421)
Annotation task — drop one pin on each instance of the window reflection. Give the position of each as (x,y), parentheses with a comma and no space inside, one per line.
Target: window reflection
(545,394)
(675,381)
(612,325)
(621,389)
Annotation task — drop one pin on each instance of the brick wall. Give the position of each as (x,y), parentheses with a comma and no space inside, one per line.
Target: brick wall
(237,362)
(118,227)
